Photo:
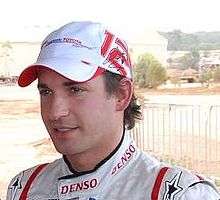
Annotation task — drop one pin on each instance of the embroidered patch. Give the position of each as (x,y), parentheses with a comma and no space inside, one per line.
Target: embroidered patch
(15,186)
(172,187)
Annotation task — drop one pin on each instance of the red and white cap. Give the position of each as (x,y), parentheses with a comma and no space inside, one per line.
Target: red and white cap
(79,51)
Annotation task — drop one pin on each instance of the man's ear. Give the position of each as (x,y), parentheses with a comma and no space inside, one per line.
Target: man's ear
(124,94)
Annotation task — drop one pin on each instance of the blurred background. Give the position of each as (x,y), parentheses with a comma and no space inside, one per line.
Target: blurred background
(175,50)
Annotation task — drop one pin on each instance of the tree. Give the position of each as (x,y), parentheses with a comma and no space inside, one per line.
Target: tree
(180,41)
(170,62)
(149,72)
(175,40)
(205,77)
(190,59)
(5,58)
(216,74)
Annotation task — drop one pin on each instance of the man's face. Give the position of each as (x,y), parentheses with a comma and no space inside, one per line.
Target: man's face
(79,117)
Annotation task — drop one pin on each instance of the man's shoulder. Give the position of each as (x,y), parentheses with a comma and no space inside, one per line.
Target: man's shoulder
(46,166)
(153,165)
(178,181)
(40,169)
(23,180)
(167,180)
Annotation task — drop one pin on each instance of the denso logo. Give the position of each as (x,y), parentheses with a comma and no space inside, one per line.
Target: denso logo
(84,185)
(124,159)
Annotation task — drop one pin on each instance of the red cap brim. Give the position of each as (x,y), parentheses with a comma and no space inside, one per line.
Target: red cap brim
(30,74)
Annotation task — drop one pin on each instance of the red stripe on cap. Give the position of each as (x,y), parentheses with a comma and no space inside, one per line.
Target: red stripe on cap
(30,181)
(121,44)
(99,72)
(114,57)
(125,49)
(107,42)
(158,182)
(119,68)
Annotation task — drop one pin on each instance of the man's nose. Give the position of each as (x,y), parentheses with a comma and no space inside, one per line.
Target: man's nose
(59,108)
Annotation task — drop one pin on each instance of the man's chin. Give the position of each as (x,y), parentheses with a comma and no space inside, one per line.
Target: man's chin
(66,150)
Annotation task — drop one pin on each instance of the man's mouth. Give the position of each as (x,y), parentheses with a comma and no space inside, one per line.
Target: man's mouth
(64,129)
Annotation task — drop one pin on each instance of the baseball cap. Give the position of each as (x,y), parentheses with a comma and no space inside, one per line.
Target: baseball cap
(80,51)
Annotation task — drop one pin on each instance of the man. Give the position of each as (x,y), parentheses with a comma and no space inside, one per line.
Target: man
(87,101)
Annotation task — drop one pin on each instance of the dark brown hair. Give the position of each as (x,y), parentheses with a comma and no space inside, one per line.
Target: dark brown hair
(133,111)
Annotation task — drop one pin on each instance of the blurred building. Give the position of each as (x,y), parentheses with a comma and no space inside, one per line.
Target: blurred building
(20,49)
(19,56)
(149,41)
(210,63)
(190,75)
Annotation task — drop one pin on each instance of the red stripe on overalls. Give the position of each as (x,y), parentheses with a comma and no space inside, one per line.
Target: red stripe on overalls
(158,182)
(30,181)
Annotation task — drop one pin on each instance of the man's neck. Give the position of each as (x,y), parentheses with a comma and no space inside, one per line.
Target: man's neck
(88,160)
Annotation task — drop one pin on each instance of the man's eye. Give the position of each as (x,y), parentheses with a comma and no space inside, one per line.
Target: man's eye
(44,92)
(76,90)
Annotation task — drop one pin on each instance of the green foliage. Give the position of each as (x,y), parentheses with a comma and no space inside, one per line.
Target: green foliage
(6,49)
(179,41)
(216,75)
(6,45)
(190,59)
(209,75)
(206,77)
(149,72)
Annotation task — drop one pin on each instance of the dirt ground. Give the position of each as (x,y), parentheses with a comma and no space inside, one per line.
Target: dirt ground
(212,90)
(23,139)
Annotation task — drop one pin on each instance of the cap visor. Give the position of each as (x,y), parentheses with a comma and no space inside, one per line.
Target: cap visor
(79,72)
(27,76)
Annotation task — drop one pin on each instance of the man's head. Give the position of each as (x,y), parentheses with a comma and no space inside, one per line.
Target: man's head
(79,51)
(85,83)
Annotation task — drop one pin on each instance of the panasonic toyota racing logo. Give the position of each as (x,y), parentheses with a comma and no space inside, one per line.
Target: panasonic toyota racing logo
(73,41)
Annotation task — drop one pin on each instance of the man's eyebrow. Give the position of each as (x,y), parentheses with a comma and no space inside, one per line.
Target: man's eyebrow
(41,85)
(72,83)
(66,84)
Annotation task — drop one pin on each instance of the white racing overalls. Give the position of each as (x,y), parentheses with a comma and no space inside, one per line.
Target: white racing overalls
(126,174)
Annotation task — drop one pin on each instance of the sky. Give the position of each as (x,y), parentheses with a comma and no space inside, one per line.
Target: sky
(16,17)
